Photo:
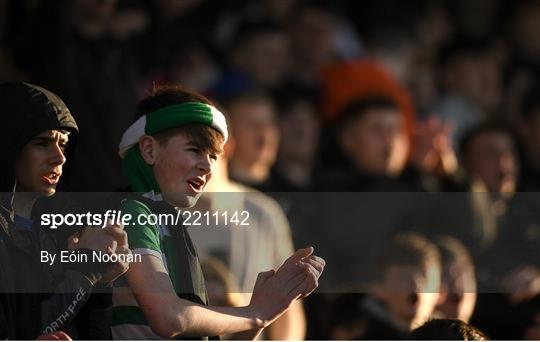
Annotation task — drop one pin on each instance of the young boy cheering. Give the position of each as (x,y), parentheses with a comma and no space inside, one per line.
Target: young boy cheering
(168,156)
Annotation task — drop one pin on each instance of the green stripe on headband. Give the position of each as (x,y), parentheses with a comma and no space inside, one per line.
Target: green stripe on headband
(139,174)
(178,115)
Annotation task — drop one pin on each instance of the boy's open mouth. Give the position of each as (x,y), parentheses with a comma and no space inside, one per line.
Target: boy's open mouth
(196,184)
(50,178)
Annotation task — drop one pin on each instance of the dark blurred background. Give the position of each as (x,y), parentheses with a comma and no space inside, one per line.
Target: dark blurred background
(418,96)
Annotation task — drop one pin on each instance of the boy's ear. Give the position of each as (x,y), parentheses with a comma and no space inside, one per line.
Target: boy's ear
(148,149)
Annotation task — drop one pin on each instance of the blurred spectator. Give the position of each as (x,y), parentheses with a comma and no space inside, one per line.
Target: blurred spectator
(262,244)
(500,219)
(432,31)
(192,66)
(458,284)
(346,320)
(253,125)
(95,74)
(470,77)
(428,145)
(447,329)
(371,139)
(131,19)
(403,294)
(394,48)
(406,289)
(174,24)
(430,74)
(258,56)
(489,158)
(498,226)
(366,195)
(177,46)
(371,135)
(312,30)
(345,82)
(300,127)
(188,63)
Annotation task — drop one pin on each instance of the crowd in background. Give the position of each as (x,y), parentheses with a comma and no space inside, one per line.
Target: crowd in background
(364,120)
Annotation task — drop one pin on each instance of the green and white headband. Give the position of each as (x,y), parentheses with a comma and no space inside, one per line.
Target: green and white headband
(139,174)
(170,117)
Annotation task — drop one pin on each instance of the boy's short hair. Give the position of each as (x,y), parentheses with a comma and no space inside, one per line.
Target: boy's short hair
(447,329)
(482,128)
(408,249)
(359,107)
(205,137)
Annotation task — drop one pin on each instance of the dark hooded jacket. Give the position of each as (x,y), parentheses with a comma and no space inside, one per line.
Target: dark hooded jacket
(35,298)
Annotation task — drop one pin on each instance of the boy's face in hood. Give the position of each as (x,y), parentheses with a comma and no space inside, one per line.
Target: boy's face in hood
(29,111)
(39,166)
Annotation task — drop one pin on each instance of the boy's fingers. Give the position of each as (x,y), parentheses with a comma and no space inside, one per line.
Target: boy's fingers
(297,291)
(289,271)
(302,271)
(312,278)
(117,233)
(111,248)
(311,283)
(316,262)
(311,270)
(114,230)
(294,282)
(298,255)
(305,292)
(123,250)
(126,251)
(55,336)
(308,285)
(318,259)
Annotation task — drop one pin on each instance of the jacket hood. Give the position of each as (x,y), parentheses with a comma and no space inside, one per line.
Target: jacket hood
(28,110)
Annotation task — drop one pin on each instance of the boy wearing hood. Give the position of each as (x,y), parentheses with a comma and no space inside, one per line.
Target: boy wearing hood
(168,157)
(37,298)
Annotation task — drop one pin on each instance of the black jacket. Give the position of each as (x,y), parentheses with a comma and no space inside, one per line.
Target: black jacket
(35,298)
